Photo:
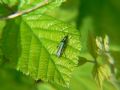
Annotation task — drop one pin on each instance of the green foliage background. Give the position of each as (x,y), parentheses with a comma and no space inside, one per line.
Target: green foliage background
(73,17)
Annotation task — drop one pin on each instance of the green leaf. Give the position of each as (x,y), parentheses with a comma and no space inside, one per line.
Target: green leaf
(11,41)
(40,36)
(12,6)
(36,41)
(102,44)
(51,4)
(101,73)
(82,61)
(8,7)
(10,3)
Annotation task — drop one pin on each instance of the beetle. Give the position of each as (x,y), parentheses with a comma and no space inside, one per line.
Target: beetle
(62,46)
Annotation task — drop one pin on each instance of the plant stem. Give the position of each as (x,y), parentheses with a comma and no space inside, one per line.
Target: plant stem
(41,4)
(91,61)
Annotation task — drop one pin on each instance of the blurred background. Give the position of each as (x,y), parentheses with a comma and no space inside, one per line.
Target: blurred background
(98,16)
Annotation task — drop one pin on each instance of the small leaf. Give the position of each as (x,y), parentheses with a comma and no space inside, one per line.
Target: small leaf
(106,43)
(101,73)
(102,45)
(82,61)
(99,43)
